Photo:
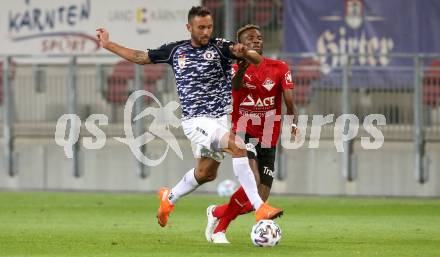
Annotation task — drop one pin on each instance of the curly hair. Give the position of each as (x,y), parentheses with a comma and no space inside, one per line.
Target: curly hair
(246,27)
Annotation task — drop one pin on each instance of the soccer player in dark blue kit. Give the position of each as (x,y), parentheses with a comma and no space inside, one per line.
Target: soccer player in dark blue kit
(202,68)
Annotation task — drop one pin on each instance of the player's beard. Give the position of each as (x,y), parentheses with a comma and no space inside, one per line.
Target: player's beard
(202,40)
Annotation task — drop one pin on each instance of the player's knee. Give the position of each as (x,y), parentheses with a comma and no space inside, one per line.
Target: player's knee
(205,179)
(237,153)
(210,177)
(237,147)
(204,175)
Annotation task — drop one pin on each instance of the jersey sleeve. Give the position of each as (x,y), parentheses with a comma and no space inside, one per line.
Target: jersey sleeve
(223,45)
(286,76)
(162,54)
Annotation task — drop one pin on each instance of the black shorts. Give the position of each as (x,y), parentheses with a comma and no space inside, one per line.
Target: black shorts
(266,161)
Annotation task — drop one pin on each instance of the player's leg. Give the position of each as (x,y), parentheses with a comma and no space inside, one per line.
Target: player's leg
(239,196)
(215,225)
(227,213)
(240,163)
(266,168)
(238,204)
(200,132)
(205,171)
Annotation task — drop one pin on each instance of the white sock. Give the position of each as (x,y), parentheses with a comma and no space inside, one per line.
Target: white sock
(247,180)
(185,186)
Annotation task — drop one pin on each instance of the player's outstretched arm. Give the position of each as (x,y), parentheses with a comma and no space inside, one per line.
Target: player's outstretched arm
(136,56)
(253,57)
(241,51)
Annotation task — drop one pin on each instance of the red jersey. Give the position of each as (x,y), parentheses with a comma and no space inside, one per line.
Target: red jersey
(261,97)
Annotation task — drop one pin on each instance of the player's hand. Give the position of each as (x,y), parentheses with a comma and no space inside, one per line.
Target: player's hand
(294,132)
(102,36)
(239,50)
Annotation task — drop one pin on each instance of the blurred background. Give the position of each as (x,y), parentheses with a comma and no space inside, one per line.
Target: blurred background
(347,57)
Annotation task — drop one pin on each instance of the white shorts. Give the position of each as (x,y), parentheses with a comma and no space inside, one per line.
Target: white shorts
(205,134)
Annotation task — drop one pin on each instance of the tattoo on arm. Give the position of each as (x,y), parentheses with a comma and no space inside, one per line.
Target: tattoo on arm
(140,57)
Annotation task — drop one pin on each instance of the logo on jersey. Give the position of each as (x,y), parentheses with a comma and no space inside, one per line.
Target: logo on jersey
(268,84)
(249,101)
(208,55)
(221,42)
(181,60)
(288,77)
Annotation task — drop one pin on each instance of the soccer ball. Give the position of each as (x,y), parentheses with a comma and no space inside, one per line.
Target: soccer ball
(226,188)
(266,233)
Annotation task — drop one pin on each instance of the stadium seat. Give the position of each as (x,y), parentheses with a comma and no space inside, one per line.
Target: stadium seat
(242,12)
(118,82)
(212,5)
(265,13)
(218,11)
(431,85)
(306,71)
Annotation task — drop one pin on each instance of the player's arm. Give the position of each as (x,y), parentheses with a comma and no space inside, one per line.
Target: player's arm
(287,85)
(291,108)
(136,56)
(253,57)
(241,51)
(238,78)
(290,104)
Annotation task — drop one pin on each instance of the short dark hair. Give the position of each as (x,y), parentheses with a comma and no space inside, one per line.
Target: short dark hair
(198,11)
(246,27)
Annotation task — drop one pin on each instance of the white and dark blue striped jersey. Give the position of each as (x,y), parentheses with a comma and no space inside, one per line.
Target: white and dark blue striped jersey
(203,75)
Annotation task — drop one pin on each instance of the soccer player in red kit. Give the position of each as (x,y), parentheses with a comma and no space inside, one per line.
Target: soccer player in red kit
(257,96)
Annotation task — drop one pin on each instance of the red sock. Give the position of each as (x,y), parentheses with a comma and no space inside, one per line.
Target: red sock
(224,221)
(246,208)
(220,210)
(238,198)
(238,204)
(230,215)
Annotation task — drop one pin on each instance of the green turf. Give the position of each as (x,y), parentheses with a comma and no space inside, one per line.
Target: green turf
(105,224)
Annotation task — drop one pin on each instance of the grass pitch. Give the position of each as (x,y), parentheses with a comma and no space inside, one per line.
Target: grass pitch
(106,224)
